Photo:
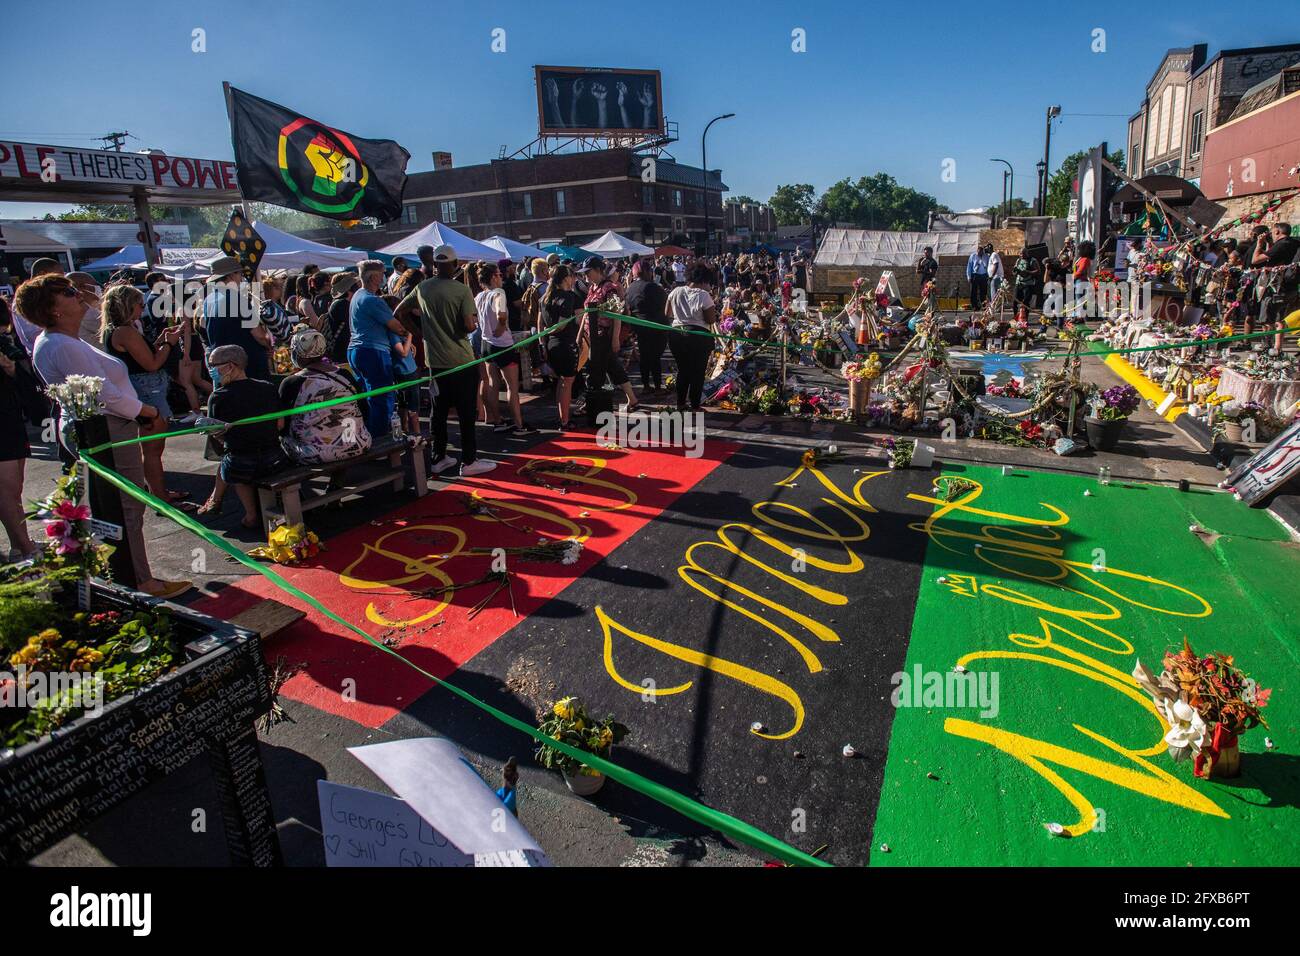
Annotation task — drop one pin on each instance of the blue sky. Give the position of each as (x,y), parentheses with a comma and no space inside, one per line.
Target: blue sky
(895,87)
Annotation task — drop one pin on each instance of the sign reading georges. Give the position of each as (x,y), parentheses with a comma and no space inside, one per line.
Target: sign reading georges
(596,101)
(62,164)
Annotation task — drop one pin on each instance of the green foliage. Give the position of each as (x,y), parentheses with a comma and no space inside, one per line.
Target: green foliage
(793,205)
(877,202)
(1060,185)
(206,222)
(568,722)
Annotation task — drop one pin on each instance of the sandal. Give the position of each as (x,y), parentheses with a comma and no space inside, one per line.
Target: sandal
(210,507)
(175,496)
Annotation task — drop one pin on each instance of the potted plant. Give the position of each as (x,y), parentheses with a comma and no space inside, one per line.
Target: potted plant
(1208,703)
(1111,408)
(1235,415)
(567,721)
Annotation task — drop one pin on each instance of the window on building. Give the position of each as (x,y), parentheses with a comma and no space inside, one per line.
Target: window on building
(677,198)
(1198,131)
(528,204)
(1135,164)
(1178,116)
(409,217)
(561,204)
(449,210)
(648,197)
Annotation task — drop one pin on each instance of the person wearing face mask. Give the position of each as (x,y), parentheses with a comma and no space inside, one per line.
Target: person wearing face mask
(90,294)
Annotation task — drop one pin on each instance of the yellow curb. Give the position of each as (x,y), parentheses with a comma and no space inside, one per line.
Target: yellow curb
(1146,388)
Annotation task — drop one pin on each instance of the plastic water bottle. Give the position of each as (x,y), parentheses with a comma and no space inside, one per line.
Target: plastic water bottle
(395,424)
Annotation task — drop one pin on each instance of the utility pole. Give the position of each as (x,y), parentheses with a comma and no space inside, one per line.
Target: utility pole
(116,140)
(1052,113)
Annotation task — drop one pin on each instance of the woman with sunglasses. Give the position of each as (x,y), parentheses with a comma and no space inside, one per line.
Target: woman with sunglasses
(56,306)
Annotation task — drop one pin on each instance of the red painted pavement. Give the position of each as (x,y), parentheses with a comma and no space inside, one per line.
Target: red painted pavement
(408,546)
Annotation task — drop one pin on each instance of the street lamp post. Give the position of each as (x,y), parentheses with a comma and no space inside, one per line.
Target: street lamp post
(704,159)
(1042,187)
(1010,188)
(1052,112)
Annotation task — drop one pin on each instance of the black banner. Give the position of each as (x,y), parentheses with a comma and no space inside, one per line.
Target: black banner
(291,160)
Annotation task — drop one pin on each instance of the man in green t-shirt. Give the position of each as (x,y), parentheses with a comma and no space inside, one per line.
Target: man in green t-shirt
(447,315)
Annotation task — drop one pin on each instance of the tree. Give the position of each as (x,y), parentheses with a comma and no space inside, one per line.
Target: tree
(206,222)
(793,205)
(1016,207)
(1060,185)
(744,200)
(878,202)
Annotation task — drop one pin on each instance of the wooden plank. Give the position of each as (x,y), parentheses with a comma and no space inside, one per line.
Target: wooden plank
(268,617)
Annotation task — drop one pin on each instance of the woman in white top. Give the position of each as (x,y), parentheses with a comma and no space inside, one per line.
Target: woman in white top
(54,303)
(498,347)
(693,313)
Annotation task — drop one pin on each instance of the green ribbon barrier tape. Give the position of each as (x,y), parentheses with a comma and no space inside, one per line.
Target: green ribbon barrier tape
(722,822)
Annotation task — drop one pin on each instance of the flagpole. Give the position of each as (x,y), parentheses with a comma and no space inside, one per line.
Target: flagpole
(230,119)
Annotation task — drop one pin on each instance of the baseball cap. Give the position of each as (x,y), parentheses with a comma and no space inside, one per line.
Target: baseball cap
(504,264)
(553,259)
(445,253)
(342,282)
(593,262)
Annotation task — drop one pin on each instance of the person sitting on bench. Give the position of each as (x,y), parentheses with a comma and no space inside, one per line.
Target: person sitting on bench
(253,451)
(335,433)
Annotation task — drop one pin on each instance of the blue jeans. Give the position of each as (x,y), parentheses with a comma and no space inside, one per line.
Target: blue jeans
(375,368)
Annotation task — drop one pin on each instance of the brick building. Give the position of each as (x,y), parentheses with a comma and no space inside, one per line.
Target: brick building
(748,223)
(1190,96)
(566,197)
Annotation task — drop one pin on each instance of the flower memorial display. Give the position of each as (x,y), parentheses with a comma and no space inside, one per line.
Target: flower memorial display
(900,451)
(1116,403)
(288,544)
(71,545)
(567,721)
(863,371)
(78,395)
(121,651)
(1208,703)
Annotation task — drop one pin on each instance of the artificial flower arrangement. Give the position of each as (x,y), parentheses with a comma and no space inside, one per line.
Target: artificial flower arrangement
(1208,703)
(1012,389)
(288,544)
(567,721)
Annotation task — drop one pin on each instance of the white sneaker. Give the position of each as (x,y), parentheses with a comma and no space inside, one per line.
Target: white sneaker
(442,464)
(480,467)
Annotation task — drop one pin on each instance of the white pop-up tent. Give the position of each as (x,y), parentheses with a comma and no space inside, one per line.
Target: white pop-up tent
(439,234)
(876,247)
(289,253)
(513,250)
(613,246)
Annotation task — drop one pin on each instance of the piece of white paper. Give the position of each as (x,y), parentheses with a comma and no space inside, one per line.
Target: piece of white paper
(432,777)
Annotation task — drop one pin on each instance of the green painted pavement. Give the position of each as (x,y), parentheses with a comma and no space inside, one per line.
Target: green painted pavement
(1071,731)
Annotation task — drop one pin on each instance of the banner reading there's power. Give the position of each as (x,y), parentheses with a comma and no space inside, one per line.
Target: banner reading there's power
(291,160)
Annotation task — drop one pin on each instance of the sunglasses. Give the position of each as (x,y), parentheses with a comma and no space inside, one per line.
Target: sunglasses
(70,291)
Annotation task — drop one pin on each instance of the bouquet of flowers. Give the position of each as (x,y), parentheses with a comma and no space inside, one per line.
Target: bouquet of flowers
(1012,389)
(288,544)
(1115,403)
(1207,702)
(815,458)
(567,721)
(1202,333)
(72,544)
(863,371)
(900,451)
(1234,411)
(78,395)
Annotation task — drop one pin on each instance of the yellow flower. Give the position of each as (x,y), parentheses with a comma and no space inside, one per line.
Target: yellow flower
(809,458)
(606,738)
(578,724)
(564,708)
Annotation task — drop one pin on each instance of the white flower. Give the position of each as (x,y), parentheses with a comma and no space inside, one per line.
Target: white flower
(78,395)
(1187,731)
(572,551)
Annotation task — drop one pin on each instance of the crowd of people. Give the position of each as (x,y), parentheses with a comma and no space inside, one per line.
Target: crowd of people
(484,334)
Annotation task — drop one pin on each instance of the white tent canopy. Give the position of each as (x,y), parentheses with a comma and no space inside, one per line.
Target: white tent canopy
(289,253)
(510,249)
(14,239)
(437,234)
(874,247)
(613,246)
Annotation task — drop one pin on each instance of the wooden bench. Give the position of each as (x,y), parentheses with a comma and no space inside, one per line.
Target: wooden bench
(281,495)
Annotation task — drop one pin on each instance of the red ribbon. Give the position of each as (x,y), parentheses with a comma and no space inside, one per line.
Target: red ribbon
(1223,739)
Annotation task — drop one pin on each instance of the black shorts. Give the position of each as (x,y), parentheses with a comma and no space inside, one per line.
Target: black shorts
(247,468)
(500,355)
(563,358)
(13,436)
